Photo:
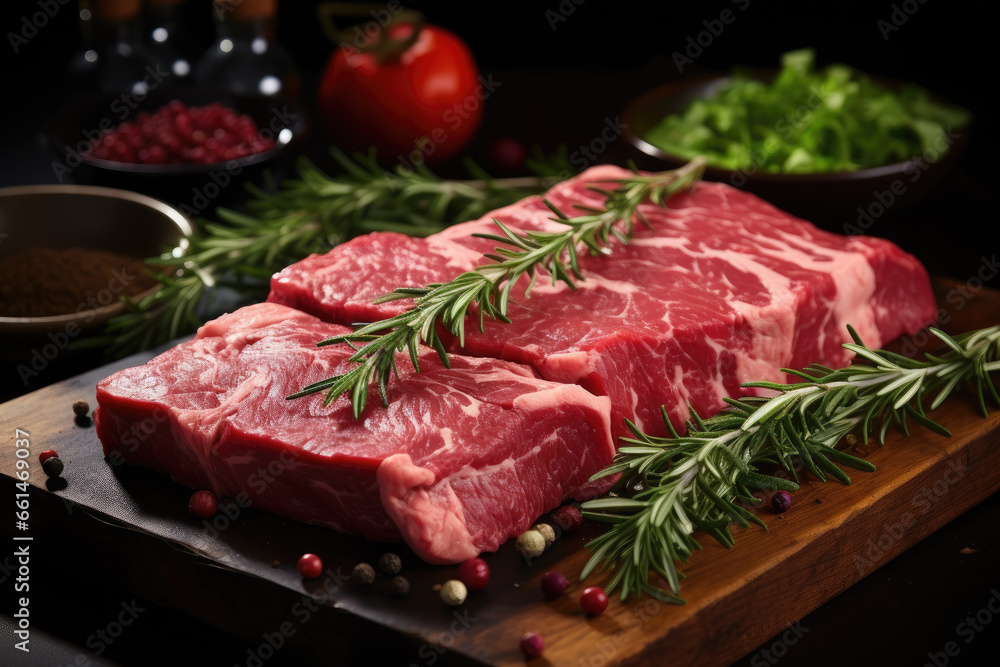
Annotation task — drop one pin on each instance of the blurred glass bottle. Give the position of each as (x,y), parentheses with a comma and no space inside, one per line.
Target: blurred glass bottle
(246,59)
(167,39)
(113,60)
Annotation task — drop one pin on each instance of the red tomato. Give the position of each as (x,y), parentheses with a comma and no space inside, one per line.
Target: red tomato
(431,92)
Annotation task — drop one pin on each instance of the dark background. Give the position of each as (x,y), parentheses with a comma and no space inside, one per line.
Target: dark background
(557,87)
(560,79)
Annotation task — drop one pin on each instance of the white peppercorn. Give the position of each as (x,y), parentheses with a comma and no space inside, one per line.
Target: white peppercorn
(531,544)
(453,592)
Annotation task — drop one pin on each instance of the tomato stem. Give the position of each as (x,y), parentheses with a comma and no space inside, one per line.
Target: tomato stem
(375,37)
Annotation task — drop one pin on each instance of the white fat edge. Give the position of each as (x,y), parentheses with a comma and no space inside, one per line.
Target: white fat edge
(562,394)
(448,443)
(636,419)
(582,363)
(455,255)
(718,382)
(472,410)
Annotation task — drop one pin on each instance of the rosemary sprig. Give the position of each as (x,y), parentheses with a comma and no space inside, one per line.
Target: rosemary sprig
(487,289)
(306,215)
(704,479)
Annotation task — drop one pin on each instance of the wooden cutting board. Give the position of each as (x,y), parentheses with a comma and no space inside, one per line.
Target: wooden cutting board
(237,572)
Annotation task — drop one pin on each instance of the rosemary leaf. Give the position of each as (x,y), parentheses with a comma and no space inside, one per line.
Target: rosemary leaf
(308,214)
(698,480)
(487,288)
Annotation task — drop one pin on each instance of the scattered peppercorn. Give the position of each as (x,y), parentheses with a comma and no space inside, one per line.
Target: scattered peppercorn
(531,544)
(47,454)
(203,504)
(453,592)
(275,563)
(532,644)
(781,501)
(53,466)
(547,532)
(554,584)
(400,586)
(568,517)
(594,600)
(309,566)
(436,588)
(390,564)
(363,574)
(474,573)
(81,408)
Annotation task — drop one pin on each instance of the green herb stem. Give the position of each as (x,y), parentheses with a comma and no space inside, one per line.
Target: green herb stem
(704,479)
(486,290)
(309,214)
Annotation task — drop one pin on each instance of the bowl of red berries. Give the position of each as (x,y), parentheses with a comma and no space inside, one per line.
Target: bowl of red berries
(189,150)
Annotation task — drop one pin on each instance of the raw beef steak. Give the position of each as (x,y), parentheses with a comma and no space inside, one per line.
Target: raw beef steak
(463,459)
(722,288)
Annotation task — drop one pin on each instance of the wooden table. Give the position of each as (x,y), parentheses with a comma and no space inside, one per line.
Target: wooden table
(237,572)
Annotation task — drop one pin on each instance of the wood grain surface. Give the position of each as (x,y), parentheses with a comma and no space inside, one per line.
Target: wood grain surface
(237,571)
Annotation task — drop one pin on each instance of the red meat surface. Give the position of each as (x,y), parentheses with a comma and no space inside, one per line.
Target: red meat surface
(721,288)
(464,458)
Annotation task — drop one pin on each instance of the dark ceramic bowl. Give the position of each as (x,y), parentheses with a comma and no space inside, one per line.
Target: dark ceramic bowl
(821,196)
(195,188)
(64,216)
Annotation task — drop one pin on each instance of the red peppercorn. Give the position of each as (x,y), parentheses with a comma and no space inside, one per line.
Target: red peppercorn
(568,517)
(309,566)
(203,504)
(474,573)
(47,454)
(508,154)
(532,644)
(174,134)
(594,600)
(554,584)
(781,501)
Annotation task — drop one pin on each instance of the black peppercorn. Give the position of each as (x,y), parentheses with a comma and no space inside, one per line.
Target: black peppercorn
(400,586)
(53,466)
(81,408)
(390,564)
(363,574)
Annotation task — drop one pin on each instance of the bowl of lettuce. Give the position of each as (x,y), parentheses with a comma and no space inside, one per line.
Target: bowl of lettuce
(819,142)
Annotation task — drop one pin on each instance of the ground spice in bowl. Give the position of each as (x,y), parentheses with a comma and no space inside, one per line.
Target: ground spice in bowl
(42,282)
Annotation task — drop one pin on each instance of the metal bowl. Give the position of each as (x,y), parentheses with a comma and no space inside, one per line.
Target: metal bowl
(819,196)
(63,216)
